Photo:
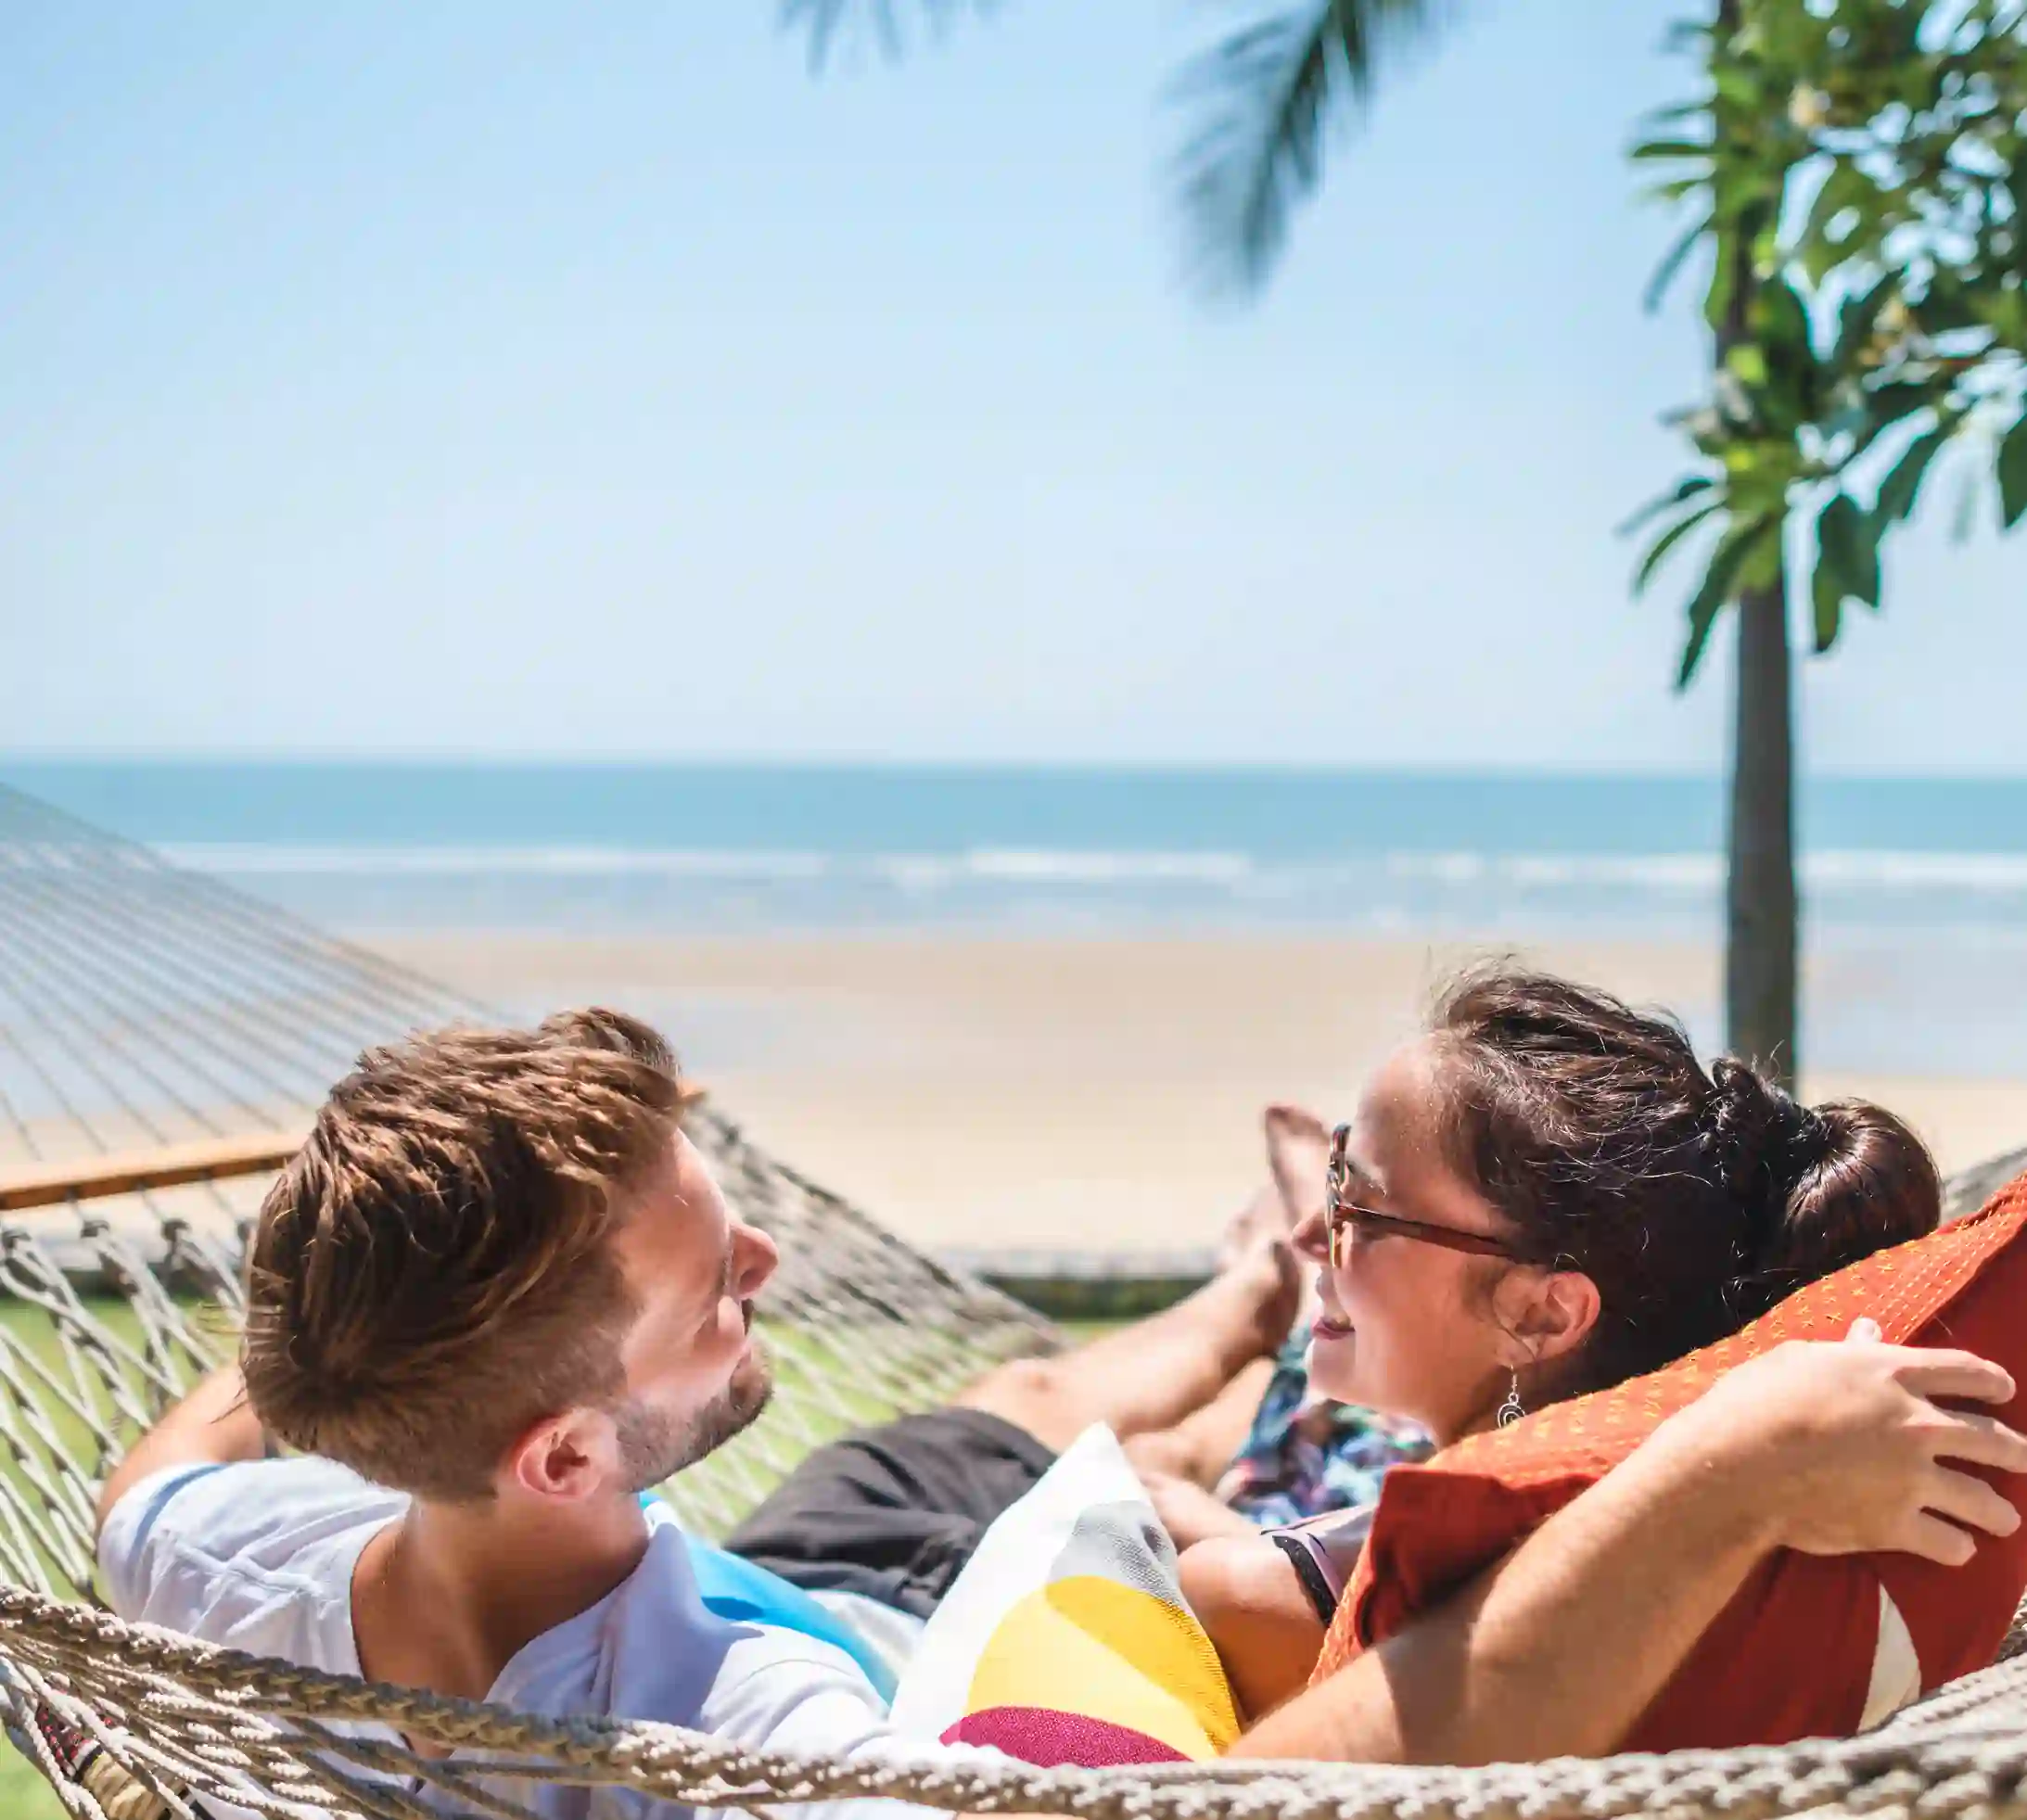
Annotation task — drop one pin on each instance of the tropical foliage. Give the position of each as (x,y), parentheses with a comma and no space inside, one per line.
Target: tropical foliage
(1860,168)
(1265,98)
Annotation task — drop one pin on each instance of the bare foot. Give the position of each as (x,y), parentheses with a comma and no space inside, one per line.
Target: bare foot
(1263,1219)
(1298,1154)
(1298,1150)
(1270,1268)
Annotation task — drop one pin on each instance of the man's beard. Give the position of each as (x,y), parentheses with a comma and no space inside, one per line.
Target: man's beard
(654,1446)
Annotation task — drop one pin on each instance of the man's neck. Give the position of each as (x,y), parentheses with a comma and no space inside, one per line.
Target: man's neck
(445,1598)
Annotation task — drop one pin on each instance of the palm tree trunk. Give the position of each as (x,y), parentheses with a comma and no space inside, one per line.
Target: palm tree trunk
(1761,938)
(1760,907)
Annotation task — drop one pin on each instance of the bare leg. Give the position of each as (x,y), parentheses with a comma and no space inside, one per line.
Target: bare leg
(1158,1372)
(1202,1443)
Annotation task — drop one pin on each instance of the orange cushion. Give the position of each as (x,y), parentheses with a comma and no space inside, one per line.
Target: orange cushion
(1792,1655)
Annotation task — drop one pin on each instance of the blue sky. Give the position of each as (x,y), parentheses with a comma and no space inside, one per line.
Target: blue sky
(527,378)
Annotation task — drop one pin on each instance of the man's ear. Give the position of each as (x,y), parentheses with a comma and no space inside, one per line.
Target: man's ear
(569,1456)
(1556,1313)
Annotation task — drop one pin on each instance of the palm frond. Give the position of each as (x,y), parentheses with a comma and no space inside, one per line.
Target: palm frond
(824,20)
(1270,93)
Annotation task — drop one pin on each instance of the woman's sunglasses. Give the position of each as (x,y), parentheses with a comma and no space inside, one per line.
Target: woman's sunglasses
(1345,1220)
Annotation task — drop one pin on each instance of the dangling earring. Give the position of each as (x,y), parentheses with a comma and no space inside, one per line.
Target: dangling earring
(1512,1410)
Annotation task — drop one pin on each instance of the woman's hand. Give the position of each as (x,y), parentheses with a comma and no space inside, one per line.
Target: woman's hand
(1854,1449)
(1187,1512)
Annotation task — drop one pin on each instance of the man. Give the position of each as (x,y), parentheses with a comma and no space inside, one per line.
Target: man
(497,1295)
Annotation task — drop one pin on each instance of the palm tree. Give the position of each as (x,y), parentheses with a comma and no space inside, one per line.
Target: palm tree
(1268,96)
(1761,911)
(1271,93)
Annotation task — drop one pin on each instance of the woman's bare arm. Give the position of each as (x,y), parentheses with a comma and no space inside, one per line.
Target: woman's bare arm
(1558,1650)
(1247,1594)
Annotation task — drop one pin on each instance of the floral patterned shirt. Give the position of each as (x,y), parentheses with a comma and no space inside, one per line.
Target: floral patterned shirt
(1304,1457)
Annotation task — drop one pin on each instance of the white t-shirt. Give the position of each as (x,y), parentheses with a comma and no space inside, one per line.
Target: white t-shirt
(260,1556)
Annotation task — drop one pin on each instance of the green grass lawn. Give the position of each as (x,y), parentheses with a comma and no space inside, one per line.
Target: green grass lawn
(24,1793)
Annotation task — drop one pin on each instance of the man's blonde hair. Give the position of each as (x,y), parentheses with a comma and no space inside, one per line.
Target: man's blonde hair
(431,1272)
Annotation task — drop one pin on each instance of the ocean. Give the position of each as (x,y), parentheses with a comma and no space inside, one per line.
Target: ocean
(1914,890)
(747,850)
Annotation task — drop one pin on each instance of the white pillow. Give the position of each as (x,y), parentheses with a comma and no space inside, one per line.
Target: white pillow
(1066,1638)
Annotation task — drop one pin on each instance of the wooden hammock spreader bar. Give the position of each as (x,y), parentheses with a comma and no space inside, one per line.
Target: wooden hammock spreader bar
(93,1179)
(173,1165)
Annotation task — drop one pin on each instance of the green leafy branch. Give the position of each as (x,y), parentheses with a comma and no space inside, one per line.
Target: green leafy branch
(1856,171)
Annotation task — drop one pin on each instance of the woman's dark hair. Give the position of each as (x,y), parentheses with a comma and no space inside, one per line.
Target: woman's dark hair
(1693,1201)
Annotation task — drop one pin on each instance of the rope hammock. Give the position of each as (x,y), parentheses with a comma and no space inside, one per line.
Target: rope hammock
(163,1042)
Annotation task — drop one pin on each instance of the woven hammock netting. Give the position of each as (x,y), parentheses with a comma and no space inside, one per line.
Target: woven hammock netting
(143,1009)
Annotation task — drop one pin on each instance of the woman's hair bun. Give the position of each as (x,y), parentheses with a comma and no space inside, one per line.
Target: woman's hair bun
(1822,1186)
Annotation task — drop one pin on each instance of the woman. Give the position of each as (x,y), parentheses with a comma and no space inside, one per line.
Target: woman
(1543,1196)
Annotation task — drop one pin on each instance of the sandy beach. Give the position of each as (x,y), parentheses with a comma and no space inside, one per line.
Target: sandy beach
(1096,1096)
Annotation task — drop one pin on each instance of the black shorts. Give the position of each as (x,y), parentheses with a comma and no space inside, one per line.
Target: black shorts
(894,1513)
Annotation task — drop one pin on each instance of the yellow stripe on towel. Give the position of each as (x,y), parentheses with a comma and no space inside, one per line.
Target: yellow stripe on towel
(1134,1658)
